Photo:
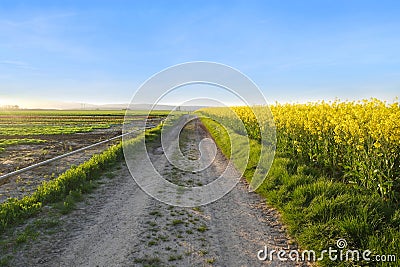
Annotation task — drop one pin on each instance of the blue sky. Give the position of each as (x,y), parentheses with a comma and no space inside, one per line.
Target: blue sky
(101,51)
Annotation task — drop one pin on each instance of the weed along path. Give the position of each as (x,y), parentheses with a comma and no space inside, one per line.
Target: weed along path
(120,225)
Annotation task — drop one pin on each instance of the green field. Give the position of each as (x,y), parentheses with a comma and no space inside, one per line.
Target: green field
(40,122)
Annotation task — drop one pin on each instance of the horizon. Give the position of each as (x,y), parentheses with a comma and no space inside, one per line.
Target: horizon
(122,106)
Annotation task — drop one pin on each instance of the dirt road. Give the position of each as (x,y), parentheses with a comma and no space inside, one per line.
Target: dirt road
(119,225)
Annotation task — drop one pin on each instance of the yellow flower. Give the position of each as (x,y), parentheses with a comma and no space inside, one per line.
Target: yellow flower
(377,144)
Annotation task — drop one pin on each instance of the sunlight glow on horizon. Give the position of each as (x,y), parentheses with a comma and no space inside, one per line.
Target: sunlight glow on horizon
(50,104)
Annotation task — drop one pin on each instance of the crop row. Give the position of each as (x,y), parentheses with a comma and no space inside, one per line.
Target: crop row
(23,141)
(12,130)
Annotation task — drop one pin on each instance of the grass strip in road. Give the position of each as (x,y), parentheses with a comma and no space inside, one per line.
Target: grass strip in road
(223,138)
(317,210)
(62,188)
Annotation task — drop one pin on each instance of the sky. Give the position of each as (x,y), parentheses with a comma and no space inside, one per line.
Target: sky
(102,51)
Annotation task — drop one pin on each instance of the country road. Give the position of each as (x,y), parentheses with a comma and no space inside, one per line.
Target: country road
(120,225)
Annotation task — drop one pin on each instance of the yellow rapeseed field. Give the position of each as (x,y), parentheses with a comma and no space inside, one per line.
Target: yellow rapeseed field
(355,142)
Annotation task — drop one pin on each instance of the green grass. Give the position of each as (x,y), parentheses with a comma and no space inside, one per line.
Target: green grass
(148,261)
(318,210)
(174,257)
(202,228)
(152,243)
(29,233)
(177,222)
(156,213)
(69,203)
(5,260)
(47,223)
(210,261)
